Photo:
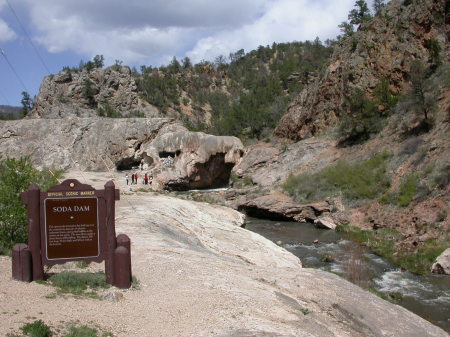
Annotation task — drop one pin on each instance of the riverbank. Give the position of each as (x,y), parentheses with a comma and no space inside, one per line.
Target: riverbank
(387,243)
(426,295)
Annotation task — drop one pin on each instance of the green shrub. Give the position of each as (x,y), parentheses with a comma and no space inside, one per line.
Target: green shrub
(413,187)
(361,121)
(16,175)
(37,329)
(78,283)
(108,111)
(88,92)
(82,331)
(40,329)
(383,96)
(364,180)
(408,190)
(435,49)
(441,177)
(82,264)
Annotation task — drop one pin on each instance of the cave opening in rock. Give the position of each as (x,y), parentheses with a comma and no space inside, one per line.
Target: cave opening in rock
(147,160)
(260,213)
(215,173)
(127,164)
(165,154)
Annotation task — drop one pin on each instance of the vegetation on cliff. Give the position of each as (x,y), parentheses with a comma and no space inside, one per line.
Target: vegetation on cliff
(243,97)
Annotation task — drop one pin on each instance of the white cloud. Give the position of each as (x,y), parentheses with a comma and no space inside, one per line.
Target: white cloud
(151,32)
(283,21)
(6,33)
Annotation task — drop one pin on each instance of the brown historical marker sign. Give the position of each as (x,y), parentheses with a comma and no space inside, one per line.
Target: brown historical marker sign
(71,228)
(73,223)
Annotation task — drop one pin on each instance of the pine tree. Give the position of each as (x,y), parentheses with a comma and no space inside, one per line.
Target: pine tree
(27,103)
(378,6)
(360,14)
(418,77)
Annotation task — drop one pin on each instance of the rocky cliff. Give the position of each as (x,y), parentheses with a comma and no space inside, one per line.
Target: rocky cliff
(107,144)
(110,91)
(383,48)
(415,202)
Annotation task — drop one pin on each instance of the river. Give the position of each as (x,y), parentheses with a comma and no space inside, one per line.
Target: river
(426,295)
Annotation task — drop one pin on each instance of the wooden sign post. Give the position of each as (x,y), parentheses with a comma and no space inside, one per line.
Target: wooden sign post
(72,222)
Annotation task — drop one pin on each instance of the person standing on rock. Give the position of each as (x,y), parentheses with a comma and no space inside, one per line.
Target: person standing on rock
(136,176)
(126,178)
(146,179)
(132,179)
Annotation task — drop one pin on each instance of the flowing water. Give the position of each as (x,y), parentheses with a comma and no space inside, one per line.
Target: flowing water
(428,296)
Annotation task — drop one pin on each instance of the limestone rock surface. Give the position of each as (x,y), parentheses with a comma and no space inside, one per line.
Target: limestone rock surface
(199,160)
(77,143)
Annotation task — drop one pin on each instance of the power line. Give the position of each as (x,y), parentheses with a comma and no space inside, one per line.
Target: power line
(14,70)
(28,37)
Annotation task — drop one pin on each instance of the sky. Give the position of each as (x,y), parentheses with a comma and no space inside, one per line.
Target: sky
(39,37)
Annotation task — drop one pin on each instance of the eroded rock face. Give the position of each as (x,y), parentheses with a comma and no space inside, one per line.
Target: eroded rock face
(199,160)
(384,48)
(280,207)
(268,165)
(66,93)
(78,143)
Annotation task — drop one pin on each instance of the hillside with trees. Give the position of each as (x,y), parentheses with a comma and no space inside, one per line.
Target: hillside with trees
(243,95)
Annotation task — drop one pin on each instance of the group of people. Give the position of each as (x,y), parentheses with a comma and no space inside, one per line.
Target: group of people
(146,179)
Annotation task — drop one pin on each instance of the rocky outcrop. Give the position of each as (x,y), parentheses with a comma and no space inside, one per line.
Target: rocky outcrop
(78,143)
(385,47)
(199,160)
(86,93)
(442,264)
(268,165)
(280,207)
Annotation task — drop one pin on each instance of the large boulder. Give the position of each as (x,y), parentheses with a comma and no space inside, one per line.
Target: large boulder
(442,264)
(278,206)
